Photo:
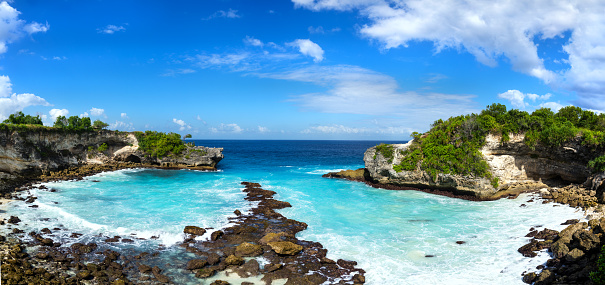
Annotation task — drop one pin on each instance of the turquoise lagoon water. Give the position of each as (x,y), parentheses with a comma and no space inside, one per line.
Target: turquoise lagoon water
(389,233)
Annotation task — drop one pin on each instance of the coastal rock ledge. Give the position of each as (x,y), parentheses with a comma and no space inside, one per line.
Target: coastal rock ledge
(518,168)
(41,153)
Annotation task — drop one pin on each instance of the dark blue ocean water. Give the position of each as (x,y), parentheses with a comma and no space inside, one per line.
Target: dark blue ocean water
(389,233)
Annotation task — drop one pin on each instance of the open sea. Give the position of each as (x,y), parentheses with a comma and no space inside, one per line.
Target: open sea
(398,237)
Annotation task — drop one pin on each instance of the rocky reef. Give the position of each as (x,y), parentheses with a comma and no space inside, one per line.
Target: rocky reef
(574,250)
(268,234)
(29,154)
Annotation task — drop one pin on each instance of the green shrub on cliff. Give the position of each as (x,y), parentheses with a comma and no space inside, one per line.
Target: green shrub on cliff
(453,146)
(21,119)
(597,164)
(160,144)
(386,150)
(598,276)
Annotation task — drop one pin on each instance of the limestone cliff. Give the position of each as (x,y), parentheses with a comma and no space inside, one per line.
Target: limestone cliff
(30,153)
(517,166)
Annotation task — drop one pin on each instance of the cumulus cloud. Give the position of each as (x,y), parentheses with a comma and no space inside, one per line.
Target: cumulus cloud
(309,48)
(54,113)
(12,28)
(356,90)
(231,14)
(85,114)
(124,116)
(182,124)
(494,30)
(97,112)
(555,106)
(12,102)
(227,128)
(111,29)
(517,98)
(263,129)
(36,28)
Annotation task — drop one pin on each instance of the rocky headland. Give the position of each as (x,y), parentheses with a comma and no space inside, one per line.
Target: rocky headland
(555,174)
(41,154)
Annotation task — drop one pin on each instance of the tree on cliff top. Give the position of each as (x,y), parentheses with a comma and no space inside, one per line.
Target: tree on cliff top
(73,123)
(99,125)
(21,119)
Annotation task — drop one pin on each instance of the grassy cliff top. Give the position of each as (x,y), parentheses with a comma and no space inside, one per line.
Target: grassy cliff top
(453,146)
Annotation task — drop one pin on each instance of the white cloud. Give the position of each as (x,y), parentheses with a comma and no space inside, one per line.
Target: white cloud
(85,114)
(321,30)
(253,42)
(12,102)
(97,112)
(334,129)
(494,30)
(54,113)
(263,129)
(6,87)
(172,72)
(36,28)
(111,29)
(517,98)
(182,124)
(355,90)
(123,126)
(309,48)
(554,106)
(342,130)
(59,58)
(124,116)
(231,14)
(435,77)
(227,128)
(232,60)
(12,28)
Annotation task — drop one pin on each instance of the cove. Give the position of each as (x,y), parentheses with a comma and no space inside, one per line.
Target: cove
(398,237)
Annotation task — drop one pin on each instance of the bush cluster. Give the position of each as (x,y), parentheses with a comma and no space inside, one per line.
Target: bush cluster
(21,119)
(160,144)
(453,146)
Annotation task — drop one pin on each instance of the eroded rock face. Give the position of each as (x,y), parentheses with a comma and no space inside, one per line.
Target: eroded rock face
(29,154)
(381,171)
(514,161)
(518,167)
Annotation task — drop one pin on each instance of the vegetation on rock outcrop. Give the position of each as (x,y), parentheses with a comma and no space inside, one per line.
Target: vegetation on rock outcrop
(453,146)
(159,144)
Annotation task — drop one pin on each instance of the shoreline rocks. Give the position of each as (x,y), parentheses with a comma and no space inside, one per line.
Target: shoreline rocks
(264,232)
(574,251)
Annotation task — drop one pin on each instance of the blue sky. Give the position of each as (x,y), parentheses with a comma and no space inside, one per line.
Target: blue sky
(300,69)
